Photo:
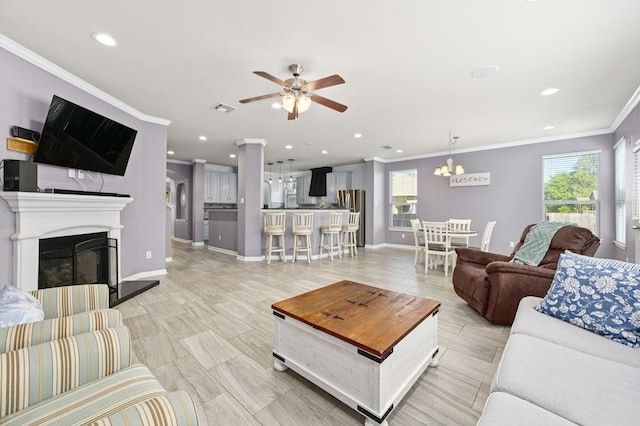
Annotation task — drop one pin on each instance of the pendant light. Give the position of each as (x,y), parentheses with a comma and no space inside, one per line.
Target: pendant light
(291,183)
(290,169)
(280,178)
(447,169)
(270,180)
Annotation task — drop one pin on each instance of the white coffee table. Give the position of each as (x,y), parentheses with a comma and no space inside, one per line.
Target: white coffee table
(364,345)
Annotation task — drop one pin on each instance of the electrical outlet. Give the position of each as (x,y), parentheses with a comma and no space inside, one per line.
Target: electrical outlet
(402,235)
(148,255)
(512,244)
(219,237)
(80,174)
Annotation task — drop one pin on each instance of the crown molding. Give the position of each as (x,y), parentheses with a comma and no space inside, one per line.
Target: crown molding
(53,69)
(631,104)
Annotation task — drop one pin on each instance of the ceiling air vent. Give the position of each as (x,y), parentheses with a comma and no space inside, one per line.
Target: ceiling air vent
(387,147)
(223,108)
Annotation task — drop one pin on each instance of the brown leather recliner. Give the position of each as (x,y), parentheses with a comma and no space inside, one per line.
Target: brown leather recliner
(493,286)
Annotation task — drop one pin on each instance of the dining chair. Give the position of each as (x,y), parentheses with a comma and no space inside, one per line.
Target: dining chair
(438,244)
(418,239)
(461,225)
(486,235)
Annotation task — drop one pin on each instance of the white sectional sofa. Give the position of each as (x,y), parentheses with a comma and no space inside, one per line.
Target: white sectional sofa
(555,373)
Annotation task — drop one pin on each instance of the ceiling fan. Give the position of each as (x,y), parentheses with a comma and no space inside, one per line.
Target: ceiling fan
(297,93)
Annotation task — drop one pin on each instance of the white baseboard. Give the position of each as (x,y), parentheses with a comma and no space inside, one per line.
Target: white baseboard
(389,245)
(249,259)
(168,259)
(180,240)
(197,244)
(223,251)
(146,274)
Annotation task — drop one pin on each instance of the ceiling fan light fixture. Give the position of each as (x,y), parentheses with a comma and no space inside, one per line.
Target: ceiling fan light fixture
(288,101)
(304,102)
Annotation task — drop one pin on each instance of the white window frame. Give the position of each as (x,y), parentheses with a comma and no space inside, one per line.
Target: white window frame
(595,202)
(620,157)
(412,204)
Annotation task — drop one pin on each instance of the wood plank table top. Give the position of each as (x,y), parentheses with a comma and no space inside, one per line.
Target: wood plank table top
(370,318)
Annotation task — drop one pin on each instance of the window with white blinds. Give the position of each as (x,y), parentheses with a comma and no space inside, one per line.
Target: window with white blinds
(570,185)
(621,194)
(636,180)
(403,203)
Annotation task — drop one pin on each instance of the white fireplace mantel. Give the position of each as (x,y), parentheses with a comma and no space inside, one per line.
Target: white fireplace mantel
(44,215)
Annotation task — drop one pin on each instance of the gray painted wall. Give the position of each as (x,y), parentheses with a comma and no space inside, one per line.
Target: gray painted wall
(514,198)
(25,95)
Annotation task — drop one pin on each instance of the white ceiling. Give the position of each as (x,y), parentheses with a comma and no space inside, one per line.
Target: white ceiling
(407,68)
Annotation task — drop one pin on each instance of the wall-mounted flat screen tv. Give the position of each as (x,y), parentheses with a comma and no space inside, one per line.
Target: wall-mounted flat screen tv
(78,138)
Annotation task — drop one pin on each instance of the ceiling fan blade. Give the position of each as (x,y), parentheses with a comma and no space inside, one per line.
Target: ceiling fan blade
(332,80)
(328,103)
(293,115)
(272,78)
(259,98)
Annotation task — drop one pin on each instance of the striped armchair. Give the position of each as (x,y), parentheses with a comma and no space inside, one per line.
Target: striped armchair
(68,311)
(86,379)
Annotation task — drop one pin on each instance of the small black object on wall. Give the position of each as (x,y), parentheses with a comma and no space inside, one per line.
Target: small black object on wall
(28,134)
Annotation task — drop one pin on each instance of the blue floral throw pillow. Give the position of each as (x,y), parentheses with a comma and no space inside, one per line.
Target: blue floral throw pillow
(602,299)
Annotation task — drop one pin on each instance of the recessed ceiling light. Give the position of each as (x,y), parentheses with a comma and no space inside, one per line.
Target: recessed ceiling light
(484,72)
(202,138)
(548,127)
(276,105)
(170,152)
(288,147)
(324,151)
(232,156)
(398,151)
(549,91)
(357,135)
(104,39)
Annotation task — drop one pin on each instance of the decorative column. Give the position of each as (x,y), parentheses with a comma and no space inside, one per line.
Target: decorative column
(197,202)
(250,198)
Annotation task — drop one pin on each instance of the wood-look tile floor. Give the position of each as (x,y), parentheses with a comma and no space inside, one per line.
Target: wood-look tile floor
(208,329)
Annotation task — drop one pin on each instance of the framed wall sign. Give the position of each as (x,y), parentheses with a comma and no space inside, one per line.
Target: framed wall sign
(471,179)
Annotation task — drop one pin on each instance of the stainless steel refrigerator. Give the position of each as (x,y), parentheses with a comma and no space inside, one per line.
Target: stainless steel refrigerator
(354,199)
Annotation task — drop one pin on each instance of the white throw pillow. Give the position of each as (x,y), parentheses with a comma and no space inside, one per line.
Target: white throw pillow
(18,307)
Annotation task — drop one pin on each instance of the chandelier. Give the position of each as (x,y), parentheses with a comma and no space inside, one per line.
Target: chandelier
(448,168)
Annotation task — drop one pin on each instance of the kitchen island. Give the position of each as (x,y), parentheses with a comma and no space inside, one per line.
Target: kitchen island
(223,229)
(320,218)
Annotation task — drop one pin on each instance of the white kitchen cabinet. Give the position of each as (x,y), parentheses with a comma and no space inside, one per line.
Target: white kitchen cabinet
(302,191)
(335,182)
(228,188)
(220,187)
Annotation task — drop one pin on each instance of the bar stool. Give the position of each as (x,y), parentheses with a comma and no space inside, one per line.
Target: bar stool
(349,230)
(274,227)
(332,230)
(302,227)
